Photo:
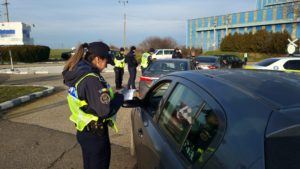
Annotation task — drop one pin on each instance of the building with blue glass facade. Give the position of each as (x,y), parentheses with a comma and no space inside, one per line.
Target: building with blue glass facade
(271,15)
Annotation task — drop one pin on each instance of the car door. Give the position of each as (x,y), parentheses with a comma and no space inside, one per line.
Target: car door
(143,125)
(164,135)
(193,125)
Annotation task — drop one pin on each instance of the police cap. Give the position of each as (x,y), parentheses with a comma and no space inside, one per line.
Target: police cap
(133,48)
(151,50)
(99,49)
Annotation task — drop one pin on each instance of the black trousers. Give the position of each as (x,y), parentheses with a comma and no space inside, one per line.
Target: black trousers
(119,72)
(132,76)
(95,150)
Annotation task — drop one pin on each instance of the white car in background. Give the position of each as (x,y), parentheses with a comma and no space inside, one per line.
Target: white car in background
(163,54)
(288,64)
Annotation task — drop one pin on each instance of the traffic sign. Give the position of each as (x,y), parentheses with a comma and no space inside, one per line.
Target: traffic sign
(291,48)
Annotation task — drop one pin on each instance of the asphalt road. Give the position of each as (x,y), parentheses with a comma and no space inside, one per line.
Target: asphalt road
(39,134)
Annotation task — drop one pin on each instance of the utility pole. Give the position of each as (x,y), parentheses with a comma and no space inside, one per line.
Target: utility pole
(6,10)
(123,2)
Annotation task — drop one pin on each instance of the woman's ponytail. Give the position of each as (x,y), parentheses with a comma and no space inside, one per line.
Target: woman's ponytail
(73,60)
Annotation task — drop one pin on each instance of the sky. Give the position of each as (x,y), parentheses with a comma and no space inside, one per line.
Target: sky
(66,23)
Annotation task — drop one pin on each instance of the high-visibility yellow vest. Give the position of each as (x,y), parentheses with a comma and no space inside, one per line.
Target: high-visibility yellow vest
(144,62)
(119,63)
(78,116)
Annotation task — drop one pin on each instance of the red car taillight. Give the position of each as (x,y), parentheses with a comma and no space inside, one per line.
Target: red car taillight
(147,80)
(213,67)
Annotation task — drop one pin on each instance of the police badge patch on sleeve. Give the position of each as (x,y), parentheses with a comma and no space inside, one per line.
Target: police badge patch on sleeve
(104,98)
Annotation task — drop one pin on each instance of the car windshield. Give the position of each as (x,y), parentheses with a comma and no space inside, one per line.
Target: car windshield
(266,62)
(163,67)
(206,59)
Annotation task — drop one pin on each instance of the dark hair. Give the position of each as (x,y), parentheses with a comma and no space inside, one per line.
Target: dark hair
(76,57)
(86,51)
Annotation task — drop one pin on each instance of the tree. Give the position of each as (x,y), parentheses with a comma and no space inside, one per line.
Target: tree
(158,43)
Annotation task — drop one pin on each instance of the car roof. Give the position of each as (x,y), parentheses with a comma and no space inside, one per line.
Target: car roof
(207,56)
(279,89)
(227,55)
(176,60)
(287,58)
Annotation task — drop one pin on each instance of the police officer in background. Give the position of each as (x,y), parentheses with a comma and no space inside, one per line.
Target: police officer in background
(132,64)
(192,57)
(92,102)
(177,54)
(146,59)
(119,61)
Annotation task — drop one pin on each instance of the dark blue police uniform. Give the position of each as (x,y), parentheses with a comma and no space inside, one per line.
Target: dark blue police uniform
(132,64)
(95,143)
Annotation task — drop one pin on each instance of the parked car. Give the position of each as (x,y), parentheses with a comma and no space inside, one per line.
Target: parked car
(208,62)
(68,54)
(288,64)
(231,61)
(159,68)
(218,61)
(218,119)
(163,54)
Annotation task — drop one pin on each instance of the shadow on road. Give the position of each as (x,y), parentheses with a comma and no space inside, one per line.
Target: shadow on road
(30,80)
(7,115)
(4,78)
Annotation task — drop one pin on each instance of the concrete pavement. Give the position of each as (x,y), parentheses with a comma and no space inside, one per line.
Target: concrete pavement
(33,147)
(39,135)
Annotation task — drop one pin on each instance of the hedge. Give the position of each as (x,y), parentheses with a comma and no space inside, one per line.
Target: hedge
(260,42)
(25,53)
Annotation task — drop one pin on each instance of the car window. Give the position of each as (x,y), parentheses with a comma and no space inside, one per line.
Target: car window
(160,52)
(178,113)
(292,65)
(155,96)
(202,132)
(206,59)
(168,52)
(266,62)
(163,66)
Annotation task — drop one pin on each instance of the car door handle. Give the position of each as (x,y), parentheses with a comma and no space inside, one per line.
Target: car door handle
(140,132)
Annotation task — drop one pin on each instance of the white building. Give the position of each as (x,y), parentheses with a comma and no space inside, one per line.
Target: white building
(15,33)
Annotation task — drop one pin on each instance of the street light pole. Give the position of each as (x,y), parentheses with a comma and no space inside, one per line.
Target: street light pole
(6,10)
(123,2)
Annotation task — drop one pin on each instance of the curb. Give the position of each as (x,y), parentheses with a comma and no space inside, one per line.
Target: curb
(26,98)
(24,73)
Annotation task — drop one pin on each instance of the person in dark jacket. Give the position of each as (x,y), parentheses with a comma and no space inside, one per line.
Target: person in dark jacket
(192,57)
(82,72)
(132,64)
(177,54)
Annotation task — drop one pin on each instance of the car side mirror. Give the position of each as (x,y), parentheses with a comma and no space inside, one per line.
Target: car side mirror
(135,102)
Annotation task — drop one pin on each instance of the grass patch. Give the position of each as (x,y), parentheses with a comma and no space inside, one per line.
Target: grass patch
(55,54)
(252,57)
(12,92)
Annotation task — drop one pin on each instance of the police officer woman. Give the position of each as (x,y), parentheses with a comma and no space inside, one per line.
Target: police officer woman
(92,102)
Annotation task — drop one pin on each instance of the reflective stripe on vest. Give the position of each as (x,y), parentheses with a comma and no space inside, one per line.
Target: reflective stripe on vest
(78,116)
(144,62)
(119,63)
